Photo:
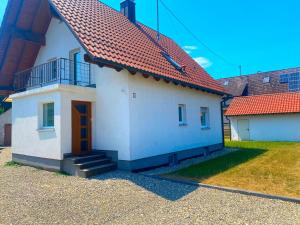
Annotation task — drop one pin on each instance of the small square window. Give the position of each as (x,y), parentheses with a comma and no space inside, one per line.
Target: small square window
(48,115)
(266,80)
(226,83)
(182,114)
(204,117)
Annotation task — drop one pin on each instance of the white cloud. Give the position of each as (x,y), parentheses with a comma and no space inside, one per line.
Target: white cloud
(190,48)
(203,62)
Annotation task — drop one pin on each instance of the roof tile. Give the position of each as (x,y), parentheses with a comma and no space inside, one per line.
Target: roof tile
(265,104)
(109,35)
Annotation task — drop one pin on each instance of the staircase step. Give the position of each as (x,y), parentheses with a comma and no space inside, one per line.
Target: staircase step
(96,170)
(89,158)
(98,162)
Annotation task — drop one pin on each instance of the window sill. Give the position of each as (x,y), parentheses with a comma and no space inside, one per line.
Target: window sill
(46,129)
(205,128)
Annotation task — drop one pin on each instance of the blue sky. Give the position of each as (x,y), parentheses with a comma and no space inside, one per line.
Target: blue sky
(259,35)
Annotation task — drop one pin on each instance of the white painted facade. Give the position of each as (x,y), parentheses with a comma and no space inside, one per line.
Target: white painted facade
(154,126)
(28,136)
(281,127)
(135,116)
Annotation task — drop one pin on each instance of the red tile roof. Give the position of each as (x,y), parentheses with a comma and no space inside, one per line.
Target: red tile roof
(108,35)
(265,104)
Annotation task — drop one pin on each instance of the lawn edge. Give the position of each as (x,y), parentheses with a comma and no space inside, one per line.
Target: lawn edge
(227,189)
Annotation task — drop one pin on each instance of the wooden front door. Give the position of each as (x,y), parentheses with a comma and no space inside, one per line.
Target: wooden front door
(81,128)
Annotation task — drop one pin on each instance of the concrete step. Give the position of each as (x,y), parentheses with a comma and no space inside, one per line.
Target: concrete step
(96,170)
(88,158)
(98,162)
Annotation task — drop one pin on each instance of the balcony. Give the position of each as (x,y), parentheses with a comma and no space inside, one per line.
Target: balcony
(59,71)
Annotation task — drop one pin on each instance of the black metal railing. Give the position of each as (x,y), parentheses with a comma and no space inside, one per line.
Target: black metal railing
(63,71)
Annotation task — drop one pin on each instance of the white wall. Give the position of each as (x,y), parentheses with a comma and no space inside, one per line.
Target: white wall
(59,42)
(147,125)
(154,127)
(112,107)
(283,127)
(27,136)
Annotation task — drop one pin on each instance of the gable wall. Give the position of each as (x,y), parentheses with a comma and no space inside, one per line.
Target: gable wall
(59,42)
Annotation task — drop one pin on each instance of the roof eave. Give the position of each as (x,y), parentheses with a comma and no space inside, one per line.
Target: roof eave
(103,62)
(261,114)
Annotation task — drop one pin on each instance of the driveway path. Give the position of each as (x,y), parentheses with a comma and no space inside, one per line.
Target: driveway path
(32,196)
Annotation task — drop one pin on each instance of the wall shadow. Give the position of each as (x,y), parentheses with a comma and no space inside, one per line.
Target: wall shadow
(219,165)
(173,191)
(166,189)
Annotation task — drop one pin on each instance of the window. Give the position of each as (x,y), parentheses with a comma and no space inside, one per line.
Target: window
(266,80)
(172,61)
(294,82)
(75,57)
(226,83)
(182,114)
(284,78)
(204,117)
(48,115)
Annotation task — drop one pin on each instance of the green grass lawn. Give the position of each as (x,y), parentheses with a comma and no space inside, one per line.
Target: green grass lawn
(268,167)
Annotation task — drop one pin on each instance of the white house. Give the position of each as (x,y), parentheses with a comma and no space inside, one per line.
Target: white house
(274,117)
(100,89)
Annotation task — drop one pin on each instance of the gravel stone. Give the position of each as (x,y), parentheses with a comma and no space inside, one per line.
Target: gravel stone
(32,196)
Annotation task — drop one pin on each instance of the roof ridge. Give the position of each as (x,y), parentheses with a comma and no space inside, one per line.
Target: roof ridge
(252,74)
(137,21)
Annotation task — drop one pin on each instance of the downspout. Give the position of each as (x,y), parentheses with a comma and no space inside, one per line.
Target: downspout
(223,103)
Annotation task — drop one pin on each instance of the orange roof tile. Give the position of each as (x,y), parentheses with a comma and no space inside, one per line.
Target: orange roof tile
(265,104)
(106,34)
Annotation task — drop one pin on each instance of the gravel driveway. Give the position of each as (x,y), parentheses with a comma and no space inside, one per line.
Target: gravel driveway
(31,196)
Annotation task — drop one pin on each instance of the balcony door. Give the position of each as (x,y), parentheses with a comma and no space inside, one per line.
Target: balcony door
(75,57)
(81,128)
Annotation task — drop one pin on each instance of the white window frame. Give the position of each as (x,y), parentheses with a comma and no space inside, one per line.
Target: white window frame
(206,111)
(182,111)
(42,118)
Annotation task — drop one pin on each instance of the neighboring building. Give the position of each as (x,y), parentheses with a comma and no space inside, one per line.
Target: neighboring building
(273,117)
(5,128)
(279,81)
(87,78)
